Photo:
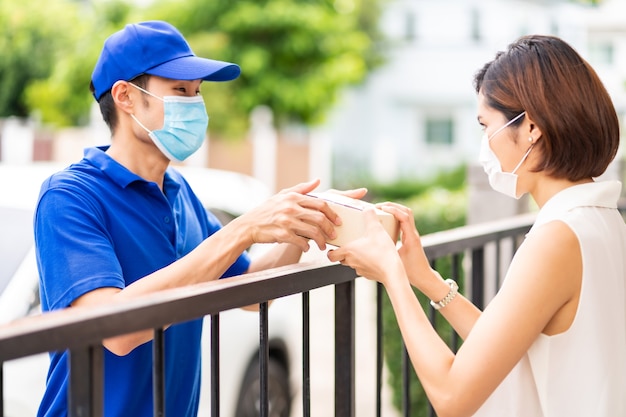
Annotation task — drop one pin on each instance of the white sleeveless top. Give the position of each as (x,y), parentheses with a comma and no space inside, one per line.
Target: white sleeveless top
(581,372)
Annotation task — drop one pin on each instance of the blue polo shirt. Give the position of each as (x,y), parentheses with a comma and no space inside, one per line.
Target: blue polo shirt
(97,225)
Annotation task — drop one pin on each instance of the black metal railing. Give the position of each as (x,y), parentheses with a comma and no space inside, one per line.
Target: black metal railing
(476,255)
(81,330)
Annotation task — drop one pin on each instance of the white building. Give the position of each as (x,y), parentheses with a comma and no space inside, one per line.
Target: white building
(417,114)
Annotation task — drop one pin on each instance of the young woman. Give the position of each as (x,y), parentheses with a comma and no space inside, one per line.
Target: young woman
(553,340)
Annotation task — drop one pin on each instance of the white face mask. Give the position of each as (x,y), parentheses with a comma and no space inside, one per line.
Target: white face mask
(503,182)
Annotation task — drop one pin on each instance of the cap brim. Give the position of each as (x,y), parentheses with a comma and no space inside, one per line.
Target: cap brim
(196,68)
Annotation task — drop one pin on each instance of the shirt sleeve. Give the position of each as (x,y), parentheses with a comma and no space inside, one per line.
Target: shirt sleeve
(75,255)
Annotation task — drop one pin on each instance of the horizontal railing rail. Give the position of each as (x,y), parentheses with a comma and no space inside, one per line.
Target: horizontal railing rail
(81,326)
(81,330)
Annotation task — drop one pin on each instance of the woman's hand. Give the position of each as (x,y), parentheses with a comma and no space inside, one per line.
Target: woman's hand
(411,251)
(376,253)
(372,256)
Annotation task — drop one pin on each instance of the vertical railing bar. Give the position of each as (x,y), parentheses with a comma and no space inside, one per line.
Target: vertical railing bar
(264,352)
(215,365)
(431,311)
(344,350)
(431,410)
(379,347)
(97,380)
(406,382)
(456,267)
(478,274)
(78,395)
(517,241)
(306,355)
(513,243)
(85,394)
(158,373)
(432,316)
(498,264)
(1,389)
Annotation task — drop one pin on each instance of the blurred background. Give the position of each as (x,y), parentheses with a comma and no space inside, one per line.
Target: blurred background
(374,93)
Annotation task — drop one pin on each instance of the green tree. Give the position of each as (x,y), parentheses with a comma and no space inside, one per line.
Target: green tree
(32,35)
(63,98)
(295,55)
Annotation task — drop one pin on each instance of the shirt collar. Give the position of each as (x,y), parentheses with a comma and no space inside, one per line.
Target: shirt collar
(121,175)
(602,194)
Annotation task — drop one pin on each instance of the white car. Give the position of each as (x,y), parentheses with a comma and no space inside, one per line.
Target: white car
(227,194)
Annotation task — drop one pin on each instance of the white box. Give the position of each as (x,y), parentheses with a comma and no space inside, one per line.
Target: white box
(352,216)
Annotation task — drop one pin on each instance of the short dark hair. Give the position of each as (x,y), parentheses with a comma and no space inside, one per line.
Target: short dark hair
(107,105)
(563,95)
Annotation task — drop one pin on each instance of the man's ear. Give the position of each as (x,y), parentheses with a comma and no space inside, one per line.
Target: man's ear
(120,92)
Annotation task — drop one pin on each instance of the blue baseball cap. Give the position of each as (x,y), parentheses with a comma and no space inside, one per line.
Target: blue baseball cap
(155,48)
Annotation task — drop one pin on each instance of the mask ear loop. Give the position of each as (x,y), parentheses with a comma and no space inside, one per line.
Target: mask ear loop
(506,125)
(140,124)
(523,158)
(145,91)
(150,94)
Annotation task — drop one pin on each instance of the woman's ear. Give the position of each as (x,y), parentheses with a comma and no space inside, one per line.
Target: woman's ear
(534,133)
(120,92)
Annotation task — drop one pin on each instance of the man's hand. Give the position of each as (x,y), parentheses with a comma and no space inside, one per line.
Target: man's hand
(293,217)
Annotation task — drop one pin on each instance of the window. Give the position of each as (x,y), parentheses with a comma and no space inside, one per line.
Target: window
(439,131)
(475,25)
(601,53)
(410,27)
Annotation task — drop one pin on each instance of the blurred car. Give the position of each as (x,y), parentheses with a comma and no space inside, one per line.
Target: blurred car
(225,193)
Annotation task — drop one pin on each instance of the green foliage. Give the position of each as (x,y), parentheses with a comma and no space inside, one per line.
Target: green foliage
(62,98)
(438,204)
(58,101)
(295,55)
(594,3)
(452,180)
(32,33)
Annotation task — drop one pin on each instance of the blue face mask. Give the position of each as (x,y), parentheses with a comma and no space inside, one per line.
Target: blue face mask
(184,126)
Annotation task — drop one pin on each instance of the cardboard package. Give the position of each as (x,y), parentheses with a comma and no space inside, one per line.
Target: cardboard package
(352,215)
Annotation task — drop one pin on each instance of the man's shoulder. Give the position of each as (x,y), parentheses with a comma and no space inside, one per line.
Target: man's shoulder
(77,185)
(78,175)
